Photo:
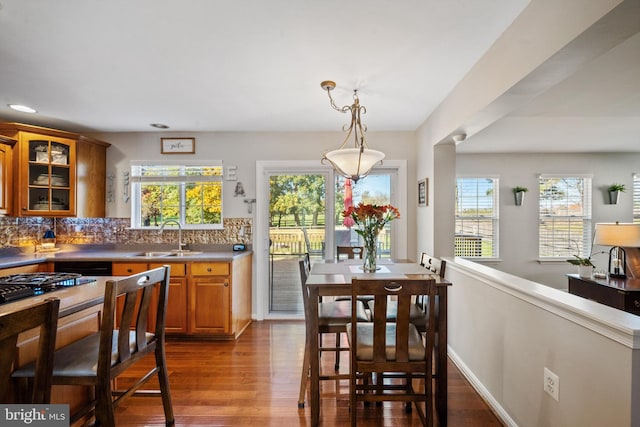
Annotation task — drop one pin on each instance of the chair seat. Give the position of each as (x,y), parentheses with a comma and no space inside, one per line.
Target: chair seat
(364,344)
(67,363)
(339,312)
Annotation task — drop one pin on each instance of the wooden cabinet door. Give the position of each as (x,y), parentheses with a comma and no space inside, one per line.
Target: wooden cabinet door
(47,175)
(176,318)
(210,308)
(6,148)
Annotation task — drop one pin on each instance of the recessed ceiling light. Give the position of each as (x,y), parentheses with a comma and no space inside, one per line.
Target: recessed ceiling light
(22,108)
(159,126)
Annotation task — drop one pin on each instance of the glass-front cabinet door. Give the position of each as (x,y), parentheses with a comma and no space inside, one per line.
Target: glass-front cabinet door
(47,173)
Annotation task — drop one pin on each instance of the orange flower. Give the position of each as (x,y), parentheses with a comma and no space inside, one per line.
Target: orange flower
(371,219)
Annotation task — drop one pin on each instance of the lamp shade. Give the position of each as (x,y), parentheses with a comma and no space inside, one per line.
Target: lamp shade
(354,163)
(617,234)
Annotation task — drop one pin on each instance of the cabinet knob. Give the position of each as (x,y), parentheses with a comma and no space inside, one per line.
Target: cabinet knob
(129,270)
(209,269)
(226,284)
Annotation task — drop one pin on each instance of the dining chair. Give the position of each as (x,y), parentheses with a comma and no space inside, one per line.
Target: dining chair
(352,252)
(98,359)
(382,346)
(433,264)
(45,317)
(332,318)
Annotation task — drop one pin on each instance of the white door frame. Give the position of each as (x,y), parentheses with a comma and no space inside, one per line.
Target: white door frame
(264,168)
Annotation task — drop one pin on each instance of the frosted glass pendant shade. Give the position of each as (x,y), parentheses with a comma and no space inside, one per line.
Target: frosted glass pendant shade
(354,163)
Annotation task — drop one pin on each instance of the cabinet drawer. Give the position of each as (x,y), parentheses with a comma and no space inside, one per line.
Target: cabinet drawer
(128,268)
(177,269)
(210,269)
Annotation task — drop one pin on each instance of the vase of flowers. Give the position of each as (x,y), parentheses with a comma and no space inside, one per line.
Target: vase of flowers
(370,220)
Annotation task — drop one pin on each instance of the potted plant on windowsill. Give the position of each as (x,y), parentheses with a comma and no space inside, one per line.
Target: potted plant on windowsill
(614,192)
(585,266)
(518,192)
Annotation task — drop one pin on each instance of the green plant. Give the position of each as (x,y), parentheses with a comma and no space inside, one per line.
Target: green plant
(520,189)
(576,260)
(617,187)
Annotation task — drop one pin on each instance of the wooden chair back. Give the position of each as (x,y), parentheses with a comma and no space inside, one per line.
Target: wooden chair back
(385,346)
(45,317)
(350,251)
(403,292)
(305,269)
(133,318)
(433,264)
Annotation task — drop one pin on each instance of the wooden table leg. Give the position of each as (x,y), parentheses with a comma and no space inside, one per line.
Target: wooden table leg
(441,380)
(314,386)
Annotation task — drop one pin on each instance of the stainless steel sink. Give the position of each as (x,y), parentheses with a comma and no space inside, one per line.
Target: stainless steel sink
(158,254)
(184,252)
(153,254)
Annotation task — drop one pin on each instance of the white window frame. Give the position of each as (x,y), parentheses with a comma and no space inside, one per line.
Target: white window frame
(494,218)
(571,246)
(136,195)
(636,198)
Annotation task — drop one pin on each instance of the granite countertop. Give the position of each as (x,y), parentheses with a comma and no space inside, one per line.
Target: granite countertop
(15,257)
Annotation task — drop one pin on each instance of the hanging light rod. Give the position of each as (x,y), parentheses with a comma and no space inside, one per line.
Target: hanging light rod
(356,162)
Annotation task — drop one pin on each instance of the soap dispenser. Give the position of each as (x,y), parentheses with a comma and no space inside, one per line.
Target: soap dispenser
(48,240)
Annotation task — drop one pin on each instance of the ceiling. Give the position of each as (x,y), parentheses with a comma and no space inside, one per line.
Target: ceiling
(255,65)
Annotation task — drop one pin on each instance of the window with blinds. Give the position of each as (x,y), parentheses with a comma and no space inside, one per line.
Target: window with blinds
(564,216)
(636,198)
(190,193)
(476,230)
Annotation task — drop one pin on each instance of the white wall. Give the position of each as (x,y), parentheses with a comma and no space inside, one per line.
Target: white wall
(243,149)
(504,330)
(518,227)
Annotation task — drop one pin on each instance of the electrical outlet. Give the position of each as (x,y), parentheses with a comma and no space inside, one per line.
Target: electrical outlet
(551,383)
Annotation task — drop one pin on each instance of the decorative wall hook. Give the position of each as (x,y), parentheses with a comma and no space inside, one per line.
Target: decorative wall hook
(250,202)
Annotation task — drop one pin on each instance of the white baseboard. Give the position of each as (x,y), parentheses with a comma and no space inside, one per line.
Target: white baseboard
(481,389)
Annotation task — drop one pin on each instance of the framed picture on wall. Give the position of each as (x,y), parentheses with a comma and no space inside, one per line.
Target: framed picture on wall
(177,145)
(423,192)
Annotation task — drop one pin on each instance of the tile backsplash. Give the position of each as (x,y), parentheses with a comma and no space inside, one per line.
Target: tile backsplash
(28,232)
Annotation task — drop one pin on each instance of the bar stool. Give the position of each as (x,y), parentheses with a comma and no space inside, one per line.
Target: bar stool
(98,359)
(45,316)
(332,318)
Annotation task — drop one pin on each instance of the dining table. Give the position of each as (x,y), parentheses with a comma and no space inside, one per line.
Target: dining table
(330,278)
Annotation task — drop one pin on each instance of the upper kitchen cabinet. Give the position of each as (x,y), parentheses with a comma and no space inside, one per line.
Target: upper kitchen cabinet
(6,150)
(58,173)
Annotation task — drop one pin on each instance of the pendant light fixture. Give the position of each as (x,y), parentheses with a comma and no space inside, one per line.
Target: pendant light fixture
(357,162)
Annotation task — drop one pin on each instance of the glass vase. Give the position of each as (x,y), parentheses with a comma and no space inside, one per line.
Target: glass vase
(370,252)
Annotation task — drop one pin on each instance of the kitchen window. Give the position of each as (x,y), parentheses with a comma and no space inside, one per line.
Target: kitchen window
(190,193)
(564,216)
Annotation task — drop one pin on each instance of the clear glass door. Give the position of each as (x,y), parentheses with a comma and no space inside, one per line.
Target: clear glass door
(373,189)
(297,221)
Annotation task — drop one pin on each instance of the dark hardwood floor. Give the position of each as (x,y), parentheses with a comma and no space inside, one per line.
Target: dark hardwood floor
(254,381)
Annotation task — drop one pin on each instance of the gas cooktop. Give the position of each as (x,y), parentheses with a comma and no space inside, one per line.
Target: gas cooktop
(23,285)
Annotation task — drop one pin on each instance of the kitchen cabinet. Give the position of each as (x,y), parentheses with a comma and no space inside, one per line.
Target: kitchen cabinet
(210,298)
(176,319)
(47,162)
(206,299)
(220,297)
(6,148)
(46,175)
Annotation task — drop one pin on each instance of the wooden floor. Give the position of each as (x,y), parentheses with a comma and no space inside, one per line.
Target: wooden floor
(254,381)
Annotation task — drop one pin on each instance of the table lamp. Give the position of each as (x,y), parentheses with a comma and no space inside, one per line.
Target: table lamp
(617,235)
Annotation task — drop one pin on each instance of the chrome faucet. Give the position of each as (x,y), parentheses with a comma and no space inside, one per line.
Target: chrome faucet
(179,231)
